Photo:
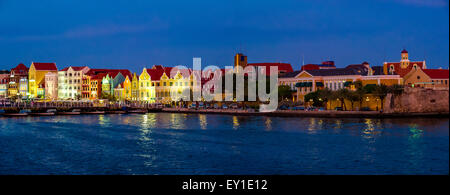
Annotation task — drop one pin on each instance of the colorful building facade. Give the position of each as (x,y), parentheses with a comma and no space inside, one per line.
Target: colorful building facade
(36,78)
(70,82)
(4,81)
(310,80)
(428,78)
(18,81)
(51,86)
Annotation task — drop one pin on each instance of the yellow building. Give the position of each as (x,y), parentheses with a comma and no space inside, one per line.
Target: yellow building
(119,92)
(126,93)
(36,78)
(135,88)
(428,78)
(146,89)
(170,82)
(307,81)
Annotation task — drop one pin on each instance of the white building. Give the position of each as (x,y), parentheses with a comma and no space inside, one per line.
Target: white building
(70,81)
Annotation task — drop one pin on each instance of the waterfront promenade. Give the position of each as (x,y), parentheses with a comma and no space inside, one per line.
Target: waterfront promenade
(141,108)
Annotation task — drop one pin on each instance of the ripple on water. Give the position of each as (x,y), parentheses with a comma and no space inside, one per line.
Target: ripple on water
(167,143)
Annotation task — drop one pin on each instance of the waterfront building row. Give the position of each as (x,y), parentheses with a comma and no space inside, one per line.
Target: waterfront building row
(156,84)
(313,77)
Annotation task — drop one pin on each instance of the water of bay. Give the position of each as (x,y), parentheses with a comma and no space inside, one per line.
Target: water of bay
(168,143)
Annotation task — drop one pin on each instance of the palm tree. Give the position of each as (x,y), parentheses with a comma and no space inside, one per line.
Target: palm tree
(326,95)
(352,96)
(341,94)
(381,92)
(360,93)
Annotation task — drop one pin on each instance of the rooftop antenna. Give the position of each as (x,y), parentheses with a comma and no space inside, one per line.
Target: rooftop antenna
(303,59)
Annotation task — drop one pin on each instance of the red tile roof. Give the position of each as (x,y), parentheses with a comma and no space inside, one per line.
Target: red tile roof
(20,67)
(75,68)
(402,71)
(158,70)
(404,51)
(437,73)
(112,72)
(310,67)
(282,67)
(45,66)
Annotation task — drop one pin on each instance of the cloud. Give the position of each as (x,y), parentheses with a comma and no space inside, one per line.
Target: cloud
(428,3)
(91,31)
(106,30)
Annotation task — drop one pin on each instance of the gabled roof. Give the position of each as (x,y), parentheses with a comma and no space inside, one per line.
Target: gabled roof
(112,72)
(20,67)
(403,71)
(437,73)
(157,71)
(75,68)
(45,66)
(284,67)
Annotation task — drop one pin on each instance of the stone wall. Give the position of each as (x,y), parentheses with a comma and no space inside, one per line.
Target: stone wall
(418,100)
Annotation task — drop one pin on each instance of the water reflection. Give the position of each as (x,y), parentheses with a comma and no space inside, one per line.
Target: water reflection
(369,130)
(314,125)
(416,133)
(148,122)
(268,124)
(235,122)
(177,121)
(104,121)
(203,122)
(416,147)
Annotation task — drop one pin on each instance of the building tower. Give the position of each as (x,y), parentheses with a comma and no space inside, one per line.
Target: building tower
(405,61)
(240,60)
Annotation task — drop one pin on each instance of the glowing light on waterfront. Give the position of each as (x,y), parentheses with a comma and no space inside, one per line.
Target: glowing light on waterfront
(268,123)
(235,122)
(368,132)
(202,119)
(104,122)
(416,133)
(177,121)
(312,126)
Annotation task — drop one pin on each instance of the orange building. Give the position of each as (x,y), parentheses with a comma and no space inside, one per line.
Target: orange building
(403,67)
(428,78)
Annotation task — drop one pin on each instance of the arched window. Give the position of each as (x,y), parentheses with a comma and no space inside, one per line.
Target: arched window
(391,69)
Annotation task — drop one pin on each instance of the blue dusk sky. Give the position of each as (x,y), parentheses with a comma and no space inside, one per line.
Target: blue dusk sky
(136,34)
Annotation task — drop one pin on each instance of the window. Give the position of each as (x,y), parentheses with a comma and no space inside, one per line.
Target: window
(418,77)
